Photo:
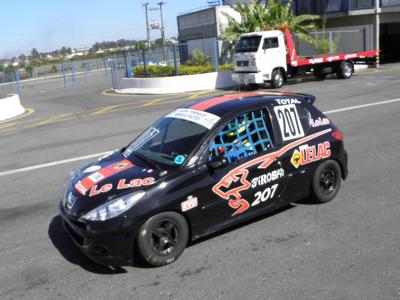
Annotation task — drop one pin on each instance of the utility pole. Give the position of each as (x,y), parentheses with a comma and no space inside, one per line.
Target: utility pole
(162,23)
(147,24)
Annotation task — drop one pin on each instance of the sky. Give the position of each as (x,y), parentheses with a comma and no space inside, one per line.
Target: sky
(50,24)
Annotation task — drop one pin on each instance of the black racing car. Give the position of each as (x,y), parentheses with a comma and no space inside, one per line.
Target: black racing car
(201,168)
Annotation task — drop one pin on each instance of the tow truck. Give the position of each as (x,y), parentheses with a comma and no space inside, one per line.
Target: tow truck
(270,56)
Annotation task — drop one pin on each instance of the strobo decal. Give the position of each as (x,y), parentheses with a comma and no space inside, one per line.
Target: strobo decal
(233,195)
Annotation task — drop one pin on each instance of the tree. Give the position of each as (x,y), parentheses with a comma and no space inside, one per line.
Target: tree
(35,54)
(256,16)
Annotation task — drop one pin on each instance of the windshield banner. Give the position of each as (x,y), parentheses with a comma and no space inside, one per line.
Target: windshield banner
(202,118)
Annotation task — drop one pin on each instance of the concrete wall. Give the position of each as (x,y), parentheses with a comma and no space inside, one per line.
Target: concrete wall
(176,84)
(10,107)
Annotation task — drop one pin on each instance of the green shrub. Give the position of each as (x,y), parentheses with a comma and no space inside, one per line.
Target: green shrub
(154,71)
(197,58)
(164,71)
(192,70)
(226,67)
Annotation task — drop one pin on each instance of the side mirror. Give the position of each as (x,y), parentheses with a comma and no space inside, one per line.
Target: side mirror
(217,162)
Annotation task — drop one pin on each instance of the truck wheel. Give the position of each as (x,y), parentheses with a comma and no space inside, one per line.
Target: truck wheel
(326,182)
(277,79)
(345,70)
(162,238)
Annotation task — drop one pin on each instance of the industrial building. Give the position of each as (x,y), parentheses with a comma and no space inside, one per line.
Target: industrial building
(357,24)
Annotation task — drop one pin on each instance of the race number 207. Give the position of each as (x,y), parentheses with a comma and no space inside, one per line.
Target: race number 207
(289,122)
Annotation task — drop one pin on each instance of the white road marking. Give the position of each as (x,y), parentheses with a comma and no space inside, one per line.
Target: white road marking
(55,163)
(65,161)
(360,106)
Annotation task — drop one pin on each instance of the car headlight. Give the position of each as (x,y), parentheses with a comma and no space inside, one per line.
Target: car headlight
(114,207)
(67,192)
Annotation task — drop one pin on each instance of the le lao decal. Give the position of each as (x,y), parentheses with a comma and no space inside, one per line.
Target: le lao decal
(88,182)
(308,154)
(122,184)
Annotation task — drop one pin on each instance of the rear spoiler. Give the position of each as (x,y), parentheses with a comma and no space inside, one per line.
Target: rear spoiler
(309,98)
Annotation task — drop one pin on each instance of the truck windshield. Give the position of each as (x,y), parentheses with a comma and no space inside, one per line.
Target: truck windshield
(248,44)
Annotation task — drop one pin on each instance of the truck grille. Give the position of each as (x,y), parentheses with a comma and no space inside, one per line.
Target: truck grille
(242,63)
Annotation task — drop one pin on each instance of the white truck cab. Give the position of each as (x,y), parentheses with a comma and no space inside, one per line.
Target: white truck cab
(260,57)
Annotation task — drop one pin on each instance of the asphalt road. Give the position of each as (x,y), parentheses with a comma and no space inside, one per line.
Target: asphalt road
(346,249)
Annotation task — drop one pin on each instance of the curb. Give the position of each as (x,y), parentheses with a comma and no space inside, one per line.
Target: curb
(10,107)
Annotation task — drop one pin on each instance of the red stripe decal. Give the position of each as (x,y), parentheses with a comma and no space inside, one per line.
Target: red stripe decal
(215,101)
(96,177)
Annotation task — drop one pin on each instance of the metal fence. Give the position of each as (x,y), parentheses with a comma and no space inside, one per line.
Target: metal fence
(65,75)
(114,67)
(336,41)
(215,52)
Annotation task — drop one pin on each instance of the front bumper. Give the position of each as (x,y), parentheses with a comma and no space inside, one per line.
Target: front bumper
(112,248)
(246,78)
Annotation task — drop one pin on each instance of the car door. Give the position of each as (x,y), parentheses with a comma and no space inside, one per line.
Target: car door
(253,178)
(273,54)
(291,120)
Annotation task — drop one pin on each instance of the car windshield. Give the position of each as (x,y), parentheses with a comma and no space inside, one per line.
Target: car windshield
(248,44)
(172,139)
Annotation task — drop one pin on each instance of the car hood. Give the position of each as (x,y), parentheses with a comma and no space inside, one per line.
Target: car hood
(100,181)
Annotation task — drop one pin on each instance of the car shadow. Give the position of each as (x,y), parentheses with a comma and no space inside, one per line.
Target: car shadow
(66,247)
(242,224)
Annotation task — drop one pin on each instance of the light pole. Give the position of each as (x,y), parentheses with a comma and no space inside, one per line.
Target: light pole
(162,23)
(147,24)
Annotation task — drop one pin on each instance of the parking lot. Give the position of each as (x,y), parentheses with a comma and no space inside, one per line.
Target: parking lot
(346,249)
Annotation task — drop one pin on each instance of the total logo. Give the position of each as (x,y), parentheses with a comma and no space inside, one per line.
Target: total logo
(308,154)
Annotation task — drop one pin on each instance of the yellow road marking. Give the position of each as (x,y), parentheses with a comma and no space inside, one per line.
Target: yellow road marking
(28,112)
(152,102)
(8,130)
(52,120)
(105,110)
(9,126)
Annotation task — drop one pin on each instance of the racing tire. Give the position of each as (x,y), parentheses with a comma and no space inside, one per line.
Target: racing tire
(163,238)
(277,79)
(326,182)
(345,70)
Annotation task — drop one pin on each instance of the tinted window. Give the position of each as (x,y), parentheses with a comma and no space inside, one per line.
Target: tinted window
(168,142)
(244,136)
(270,43)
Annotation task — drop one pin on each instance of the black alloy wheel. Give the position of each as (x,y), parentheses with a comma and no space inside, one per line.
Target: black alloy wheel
(163,238)
(326,182)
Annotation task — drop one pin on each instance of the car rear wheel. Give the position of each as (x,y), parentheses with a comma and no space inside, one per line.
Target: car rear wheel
(163,238)
(277,79)
(326,182)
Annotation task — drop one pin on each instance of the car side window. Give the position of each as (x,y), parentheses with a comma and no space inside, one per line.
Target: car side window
(270,43)
(244,136)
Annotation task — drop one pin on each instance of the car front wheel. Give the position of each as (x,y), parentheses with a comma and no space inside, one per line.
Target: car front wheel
(163,238)
(326,182)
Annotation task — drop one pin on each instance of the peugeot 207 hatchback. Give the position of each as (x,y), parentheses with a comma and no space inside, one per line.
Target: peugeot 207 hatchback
(201,168)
